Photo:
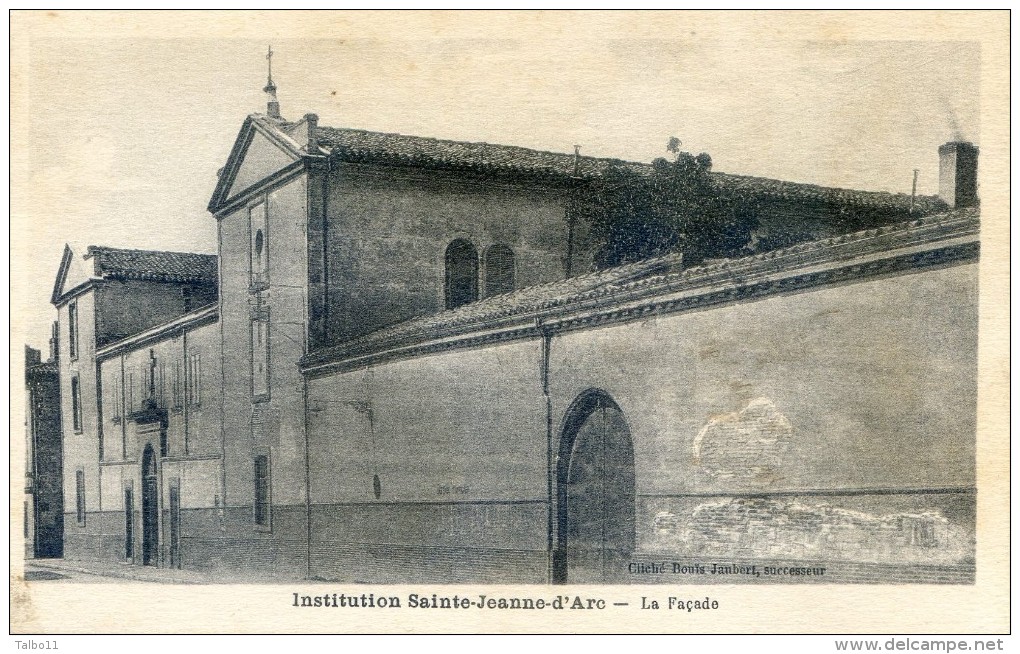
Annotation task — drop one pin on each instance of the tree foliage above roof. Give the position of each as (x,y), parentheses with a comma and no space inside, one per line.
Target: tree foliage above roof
(679,204)
(635,216)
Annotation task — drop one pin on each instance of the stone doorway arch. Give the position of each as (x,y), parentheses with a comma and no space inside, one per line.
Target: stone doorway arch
(595,492)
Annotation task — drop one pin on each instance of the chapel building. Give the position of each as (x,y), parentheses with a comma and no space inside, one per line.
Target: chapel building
(404,365)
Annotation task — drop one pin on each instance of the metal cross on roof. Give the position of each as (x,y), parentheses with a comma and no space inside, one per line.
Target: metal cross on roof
(269,84)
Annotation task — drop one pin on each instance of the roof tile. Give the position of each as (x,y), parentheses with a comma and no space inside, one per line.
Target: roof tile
(358,145)
(156,265)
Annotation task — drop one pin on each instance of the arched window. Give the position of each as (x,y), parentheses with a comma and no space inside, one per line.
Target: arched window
(461,273)
(260,242)
(259,245)
(499,270)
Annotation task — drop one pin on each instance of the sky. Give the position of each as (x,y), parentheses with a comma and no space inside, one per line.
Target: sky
(125,134)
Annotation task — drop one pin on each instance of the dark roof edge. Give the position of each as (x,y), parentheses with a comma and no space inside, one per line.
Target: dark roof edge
(924,204)
(56,297)
(106,270)
(434,139)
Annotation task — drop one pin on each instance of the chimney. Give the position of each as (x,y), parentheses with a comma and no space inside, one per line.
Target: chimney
(313,136)
(958,174)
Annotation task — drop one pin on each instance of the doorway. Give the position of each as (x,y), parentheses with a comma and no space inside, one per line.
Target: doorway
(150,508)
(595,492)
(175,524)
(129,523)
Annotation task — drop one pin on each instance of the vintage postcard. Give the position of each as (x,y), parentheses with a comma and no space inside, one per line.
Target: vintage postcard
(523,321)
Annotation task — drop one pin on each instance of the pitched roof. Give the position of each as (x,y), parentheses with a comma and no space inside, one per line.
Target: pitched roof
(357,145)
(775,189)
(157,265)
(401,149)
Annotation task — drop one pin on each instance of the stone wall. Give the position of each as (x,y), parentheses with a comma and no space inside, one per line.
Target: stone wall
(388,230)
(835,425)
(268,424)
(127,307)
(81,447)
(866,385)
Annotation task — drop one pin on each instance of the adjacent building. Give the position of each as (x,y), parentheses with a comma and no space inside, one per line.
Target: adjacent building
(44,486)
(139,385)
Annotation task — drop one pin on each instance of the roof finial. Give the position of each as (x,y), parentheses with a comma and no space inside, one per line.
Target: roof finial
(272,105)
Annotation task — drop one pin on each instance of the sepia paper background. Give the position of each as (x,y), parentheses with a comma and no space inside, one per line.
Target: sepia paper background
(40,220)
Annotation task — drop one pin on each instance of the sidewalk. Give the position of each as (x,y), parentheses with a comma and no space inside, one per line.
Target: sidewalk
(150,574)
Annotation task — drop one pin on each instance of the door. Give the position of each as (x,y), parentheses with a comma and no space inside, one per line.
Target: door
(150,508)
(597,494)
(129,524)
(175,526)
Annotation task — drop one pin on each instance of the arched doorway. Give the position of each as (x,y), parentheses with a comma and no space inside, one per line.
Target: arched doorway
(150,508)
(595,492)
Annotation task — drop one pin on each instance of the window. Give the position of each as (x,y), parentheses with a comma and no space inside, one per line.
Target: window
(259,245)
(260,358)
(115,400)
(175,383)
(461,274)
(188,296)
(499,270)
(130,385)
(193,380)
(80,496)
(161,385)
(145,385)
(72,329)
(262,490)
(76,404)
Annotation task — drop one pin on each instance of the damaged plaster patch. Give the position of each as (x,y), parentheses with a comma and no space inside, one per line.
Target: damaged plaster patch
(748,445)
(778,527)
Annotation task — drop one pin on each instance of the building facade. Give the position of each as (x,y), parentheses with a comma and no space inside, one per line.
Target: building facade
(403,366)
(138,365)
(44,486)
